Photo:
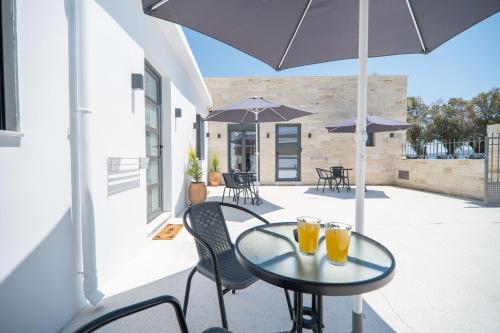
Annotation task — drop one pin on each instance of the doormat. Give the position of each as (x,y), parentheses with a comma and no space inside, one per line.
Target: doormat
(169,232)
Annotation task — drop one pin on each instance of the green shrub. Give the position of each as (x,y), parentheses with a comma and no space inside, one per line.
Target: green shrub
(193,168)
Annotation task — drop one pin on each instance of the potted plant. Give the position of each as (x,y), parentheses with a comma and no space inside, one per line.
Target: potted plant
(197,191)
(214,175)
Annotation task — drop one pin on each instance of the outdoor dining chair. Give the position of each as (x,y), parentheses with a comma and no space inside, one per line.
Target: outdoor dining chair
(339,174)
(141,306)
(326,177)
(234,185)
(217,257)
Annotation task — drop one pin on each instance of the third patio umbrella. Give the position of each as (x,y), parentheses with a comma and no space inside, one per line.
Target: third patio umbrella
(374,124)
(255,110)
(286,34)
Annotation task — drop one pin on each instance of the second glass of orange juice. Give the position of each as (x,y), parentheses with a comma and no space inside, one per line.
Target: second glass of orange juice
(338,236)
(308,232)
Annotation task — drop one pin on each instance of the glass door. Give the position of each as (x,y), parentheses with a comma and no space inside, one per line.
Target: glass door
(242,148)
(288,152)
(154,148)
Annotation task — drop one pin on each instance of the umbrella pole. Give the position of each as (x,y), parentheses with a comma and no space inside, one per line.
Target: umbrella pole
(357,306)
(257,157)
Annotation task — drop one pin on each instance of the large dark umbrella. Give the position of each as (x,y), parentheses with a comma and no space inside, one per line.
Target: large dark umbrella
(255,110)
(374,124)
(286,33)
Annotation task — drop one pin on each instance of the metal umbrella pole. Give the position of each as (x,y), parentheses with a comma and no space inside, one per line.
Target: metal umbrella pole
(361,136)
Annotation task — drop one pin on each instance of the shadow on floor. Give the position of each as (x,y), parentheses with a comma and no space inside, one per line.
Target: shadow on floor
(345,195)
(259,308)
(238,216)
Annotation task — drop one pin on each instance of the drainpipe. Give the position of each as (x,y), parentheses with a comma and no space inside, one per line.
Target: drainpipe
(84,119)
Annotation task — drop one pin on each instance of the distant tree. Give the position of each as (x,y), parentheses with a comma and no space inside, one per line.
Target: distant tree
(418,115)
(455,120)
(486,107)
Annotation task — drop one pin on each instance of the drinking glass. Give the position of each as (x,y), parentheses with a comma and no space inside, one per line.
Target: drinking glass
(308,232)
(338,236)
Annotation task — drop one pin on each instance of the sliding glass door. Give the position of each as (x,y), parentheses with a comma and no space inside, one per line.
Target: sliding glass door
(242,148)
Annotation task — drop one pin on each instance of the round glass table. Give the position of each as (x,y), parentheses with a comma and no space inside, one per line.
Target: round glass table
(271,253)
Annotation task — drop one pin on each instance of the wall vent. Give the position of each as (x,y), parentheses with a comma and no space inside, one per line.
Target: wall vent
(404,174)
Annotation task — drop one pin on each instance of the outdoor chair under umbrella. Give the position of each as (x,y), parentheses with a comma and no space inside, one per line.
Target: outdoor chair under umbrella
(286,34)
(255,110)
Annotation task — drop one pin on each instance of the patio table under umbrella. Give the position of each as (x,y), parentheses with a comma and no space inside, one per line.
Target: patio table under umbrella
(255,110)
(286,34)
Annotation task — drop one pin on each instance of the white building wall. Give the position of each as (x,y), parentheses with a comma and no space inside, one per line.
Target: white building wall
(40,288)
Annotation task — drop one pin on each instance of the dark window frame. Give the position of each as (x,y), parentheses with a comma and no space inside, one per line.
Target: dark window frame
(299,152)
(200,137)
(370,140)
(9,107)
(148,68)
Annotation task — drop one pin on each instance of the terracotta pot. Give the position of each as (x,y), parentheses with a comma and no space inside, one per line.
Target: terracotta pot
(197,192)
(214,178)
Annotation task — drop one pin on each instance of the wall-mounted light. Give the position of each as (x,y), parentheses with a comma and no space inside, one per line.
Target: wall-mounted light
(391,135)
(267,135)
(207,135)
(309,135)
(137,81)
(178,112)
(218,136)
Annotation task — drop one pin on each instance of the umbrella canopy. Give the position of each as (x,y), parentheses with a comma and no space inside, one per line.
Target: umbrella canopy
(255,110)
(374,124)
(285,34)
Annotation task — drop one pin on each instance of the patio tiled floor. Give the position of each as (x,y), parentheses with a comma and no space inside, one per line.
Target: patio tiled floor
(447,275)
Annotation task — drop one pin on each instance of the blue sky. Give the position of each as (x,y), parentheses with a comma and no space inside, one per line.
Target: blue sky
(464,66)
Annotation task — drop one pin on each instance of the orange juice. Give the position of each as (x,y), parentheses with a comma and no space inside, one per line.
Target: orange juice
(337,245)
(308,237)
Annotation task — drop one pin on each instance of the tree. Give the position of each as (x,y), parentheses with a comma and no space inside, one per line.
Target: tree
(486,106)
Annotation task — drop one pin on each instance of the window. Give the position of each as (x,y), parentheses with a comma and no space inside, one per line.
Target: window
(8,68)
(370,141)
(200,137)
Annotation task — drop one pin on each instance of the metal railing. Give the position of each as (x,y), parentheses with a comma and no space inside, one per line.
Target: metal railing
(451,149)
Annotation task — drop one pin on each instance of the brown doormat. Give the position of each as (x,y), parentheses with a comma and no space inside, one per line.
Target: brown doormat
(169,232)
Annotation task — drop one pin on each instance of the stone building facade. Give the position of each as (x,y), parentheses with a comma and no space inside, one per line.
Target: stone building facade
(331,99)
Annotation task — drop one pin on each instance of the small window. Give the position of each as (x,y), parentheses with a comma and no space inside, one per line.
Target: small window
(8,68)
(200,137)
(370,140)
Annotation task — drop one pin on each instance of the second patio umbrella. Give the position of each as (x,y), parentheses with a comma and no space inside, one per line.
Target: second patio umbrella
(255,110)
(374,124)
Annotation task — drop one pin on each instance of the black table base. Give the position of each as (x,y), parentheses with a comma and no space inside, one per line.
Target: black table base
(307,317)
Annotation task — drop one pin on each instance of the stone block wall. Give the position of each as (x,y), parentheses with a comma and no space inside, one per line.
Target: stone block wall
(464,178)
(331,99)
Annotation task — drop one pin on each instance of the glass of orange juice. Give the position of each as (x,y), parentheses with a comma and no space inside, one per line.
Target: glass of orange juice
(338,236)
(308,232)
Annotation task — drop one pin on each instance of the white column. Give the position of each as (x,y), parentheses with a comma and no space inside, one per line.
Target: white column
(87,157)
(361,144)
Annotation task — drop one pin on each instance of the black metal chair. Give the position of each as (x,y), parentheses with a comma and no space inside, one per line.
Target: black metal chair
(134,308)
(327,178)
(338,173)
(234,186)
(217,257)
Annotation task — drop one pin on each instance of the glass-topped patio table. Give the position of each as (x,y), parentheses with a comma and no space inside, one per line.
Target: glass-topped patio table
(271,253)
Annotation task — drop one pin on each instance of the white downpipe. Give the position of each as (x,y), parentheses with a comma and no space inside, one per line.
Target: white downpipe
(85,123)
(257,147)
(361,130)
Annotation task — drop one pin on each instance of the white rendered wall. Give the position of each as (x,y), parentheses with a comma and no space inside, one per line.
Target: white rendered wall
(40,289)
(39,286)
